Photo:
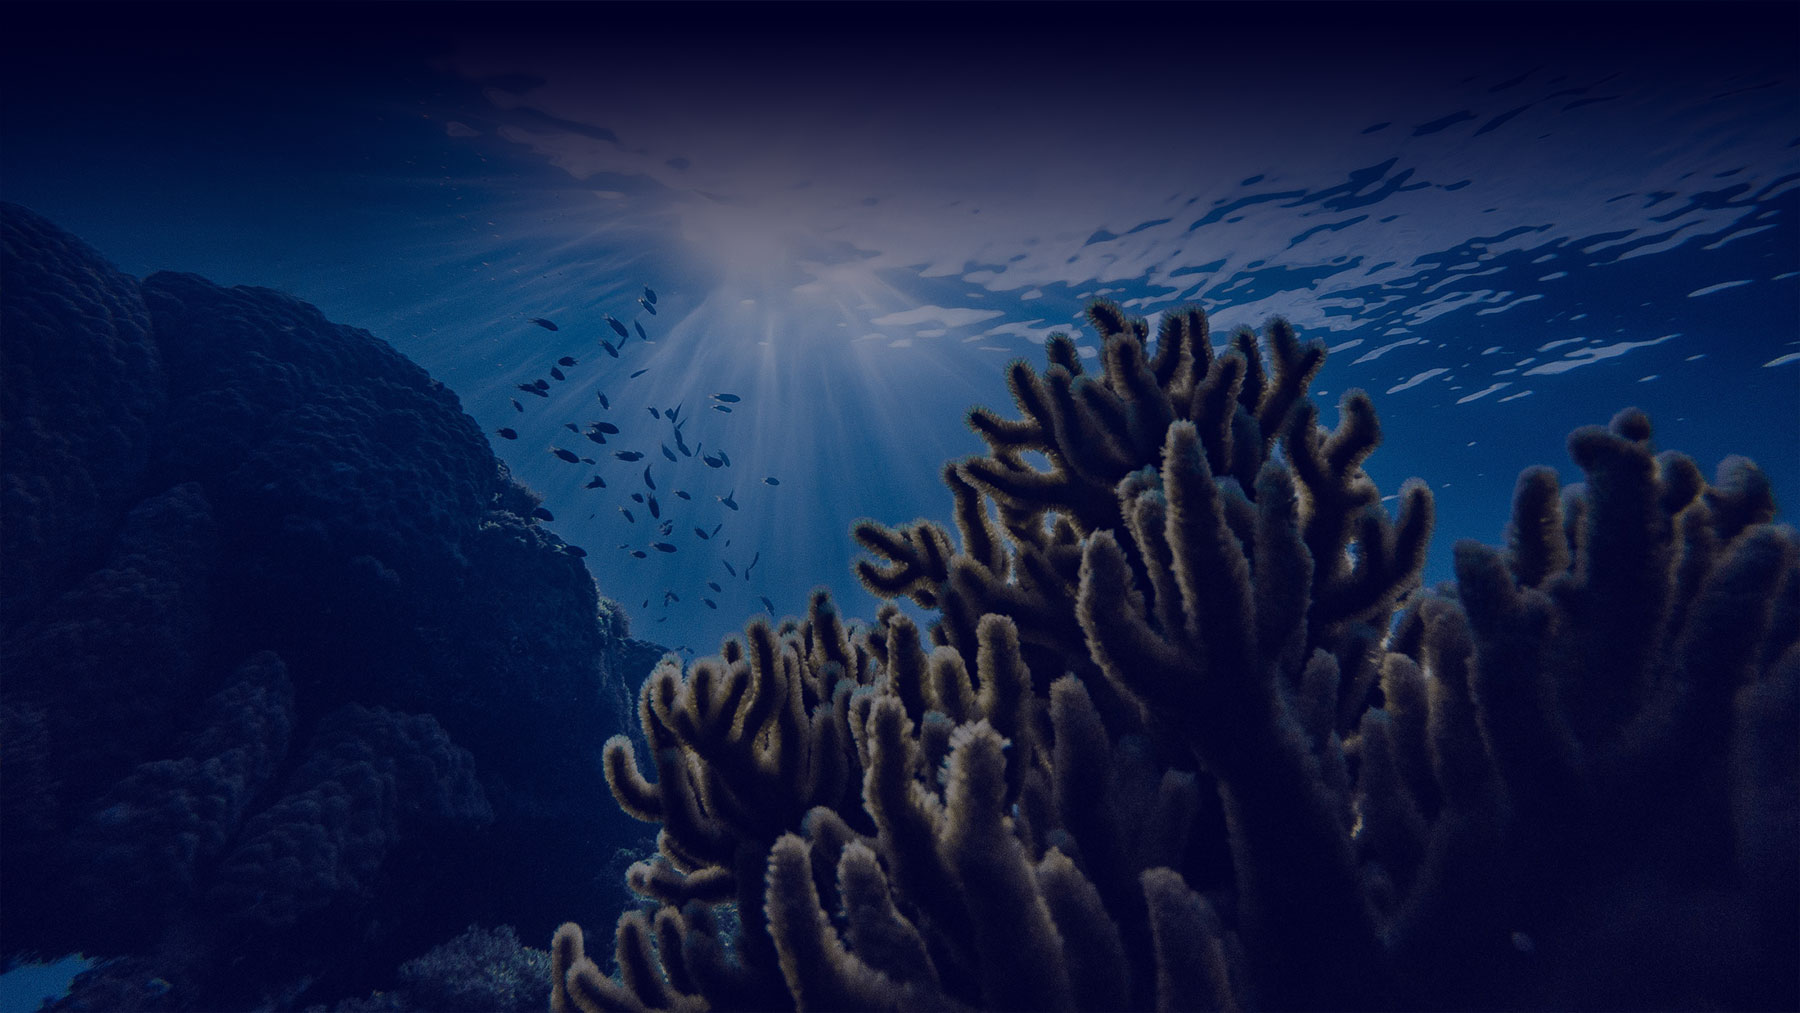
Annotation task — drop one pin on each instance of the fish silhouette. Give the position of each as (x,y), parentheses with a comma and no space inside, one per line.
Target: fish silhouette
(722,408)
(701,532)
(507,434)
(715,586)
(629,519)
(647,479)
(637,374)
(771,480)
(545,324)
(610,350)
(576,551)
(604,403)
(628,455)
(649,293)
(662,546)
(727,398)
(767,604)
(567,360)
(683,495)
(567,455)
(615,325)
(655,511)
(645,303)
(596,483)
(640,329)
(665,450)
(606,427)
(557,373)
(570,426)
(516,405)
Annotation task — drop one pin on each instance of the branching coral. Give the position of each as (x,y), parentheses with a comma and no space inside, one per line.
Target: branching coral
(1217,749)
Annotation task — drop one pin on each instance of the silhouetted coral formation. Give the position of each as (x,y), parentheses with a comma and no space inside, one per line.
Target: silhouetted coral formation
(1185,732)
(294,683)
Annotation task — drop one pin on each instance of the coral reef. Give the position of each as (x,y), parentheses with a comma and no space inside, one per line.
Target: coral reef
(1185,732)
(291,671)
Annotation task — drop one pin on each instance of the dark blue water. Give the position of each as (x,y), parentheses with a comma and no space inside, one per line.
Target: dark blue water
(1506,222)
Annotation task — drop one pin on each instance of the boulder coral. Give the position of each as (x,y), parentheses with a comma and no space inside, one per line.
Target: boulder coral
(1186,731)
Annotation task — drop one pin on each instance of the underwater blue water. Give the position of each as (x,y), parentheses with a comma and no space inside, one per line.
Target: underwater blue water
(1505,221)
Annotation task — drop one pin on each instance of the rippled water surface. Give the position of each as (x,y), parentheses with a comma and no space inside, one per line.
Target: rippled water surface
(1505,221)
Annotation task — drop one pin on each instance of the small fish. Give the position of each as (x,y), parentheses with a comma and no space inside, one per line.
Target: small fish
(543,515)
(541,384)
(669,596)
(637,497)
(654,413)
(716,528)
(615,325)
(629,519)
(683,495)
(667,528)
(662,546)
(628,455)
(662,619)
(545,324)
(596,483)
(665,450)
(531,388)
(646,603)
(729,567)
(710,603)
(596,437)
(681,444)
(570,426)
(589,460)
(675,411)
(640,329)
(645,303)
(655,511)
(752,565)
(649,293)
(575,550)
(727,398)
(507,434)
(567,455)
(701,532)
(767,603)
(639,553)
(610,350)
(771,480)
(647,479)
(715,586)
(567,360)
(557,373)
(722,408)
(606,427)
(711,461)
(516,405)
(637,374)
(724,457)
(604,403)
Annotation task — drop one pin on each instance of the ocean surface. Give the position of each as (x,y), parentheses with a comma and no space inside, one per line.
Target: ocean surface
(1505,221)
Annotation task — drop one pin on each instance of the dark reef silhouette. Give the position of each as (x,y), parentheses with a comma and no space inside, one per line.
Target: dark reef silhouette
(1186,732)
(296,688)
